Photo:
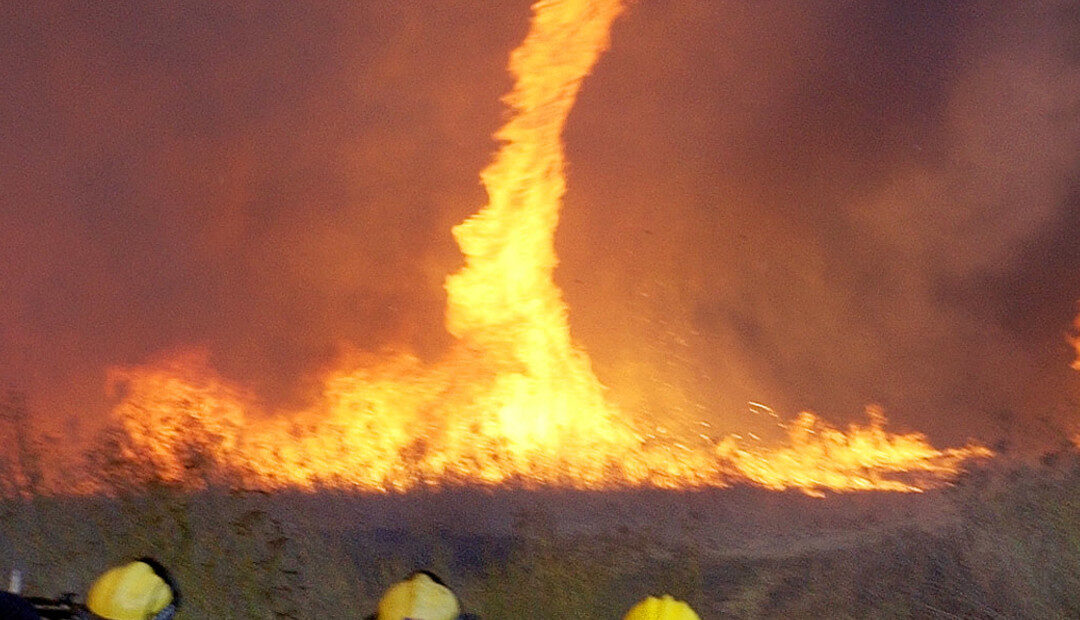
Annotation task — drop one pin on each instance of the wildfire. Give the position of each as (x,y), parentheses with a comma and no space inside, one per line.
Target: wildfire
(819,456)
(515,401)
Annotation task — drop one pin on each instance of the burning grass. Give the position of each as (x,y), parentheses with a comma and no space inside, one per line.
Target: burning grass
(176,417)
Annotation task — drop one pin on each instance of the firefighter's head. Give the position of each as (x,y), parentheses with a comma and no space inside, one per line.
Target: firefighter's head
(421,596)
(661,608)
(139,590)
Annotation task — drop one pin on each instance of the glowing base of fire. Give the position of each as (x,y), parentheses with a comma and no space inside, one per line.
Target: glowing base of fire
(372,432)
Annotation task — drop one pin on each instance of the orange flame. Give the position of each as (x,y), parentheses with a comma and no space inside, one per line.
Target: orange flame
(1075,340)
(515,402)
(864,458)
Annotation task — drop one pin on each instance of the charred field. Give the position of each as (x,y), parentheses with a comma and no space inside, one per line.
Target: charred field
(999,543)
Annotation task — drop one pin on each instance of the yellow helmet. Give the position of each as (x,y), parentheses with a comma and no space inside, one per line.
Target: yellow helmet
(662,608)
(422,596)
(139,590)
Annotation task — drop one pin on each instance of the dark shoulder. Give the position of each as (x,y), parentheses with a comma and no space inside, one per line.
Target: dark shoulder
(15,607)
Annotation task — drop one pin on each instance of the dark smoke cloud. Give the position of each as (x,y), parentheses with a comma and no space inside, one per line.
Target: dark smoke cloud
(822,205)
(810,204)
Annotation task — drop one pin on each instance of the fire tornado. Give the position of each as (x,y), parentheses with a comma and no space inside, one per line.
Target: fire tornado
(516,401)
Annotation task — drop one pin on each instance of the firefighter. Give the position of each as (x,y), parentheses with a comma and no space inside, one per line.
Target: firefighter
(15,607)
(421,596)
(661,608)
(139,590)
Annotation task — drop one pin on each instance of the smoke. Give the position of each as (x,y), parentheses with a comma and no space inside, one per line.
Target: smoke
(265,182)
(810,204)
(821,205)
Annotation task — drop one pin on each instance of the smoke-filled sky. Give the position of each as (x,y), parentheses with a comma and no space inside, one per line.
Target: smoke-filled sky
(811,204)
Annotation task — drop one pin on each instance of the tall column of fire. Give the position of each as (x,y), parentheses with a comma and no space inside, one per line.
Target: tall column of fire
(504,300)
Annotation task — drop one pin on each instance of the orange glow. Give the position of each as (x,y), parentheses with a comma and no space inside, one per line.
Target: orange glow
(175,410)
(819,456)
(516,402)
(1076,343)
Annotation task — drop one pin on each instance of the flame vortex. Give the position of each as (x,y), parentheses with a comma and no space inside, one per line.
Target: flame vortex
(515,401)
